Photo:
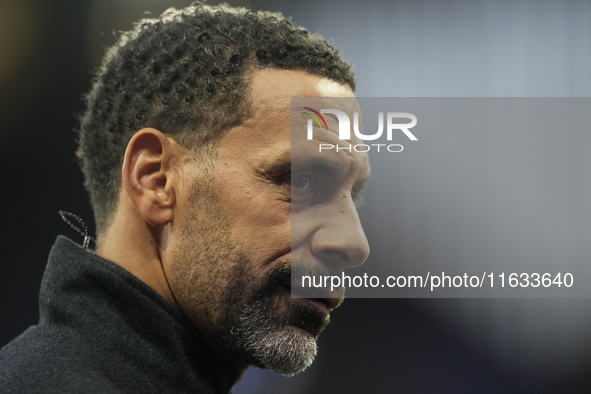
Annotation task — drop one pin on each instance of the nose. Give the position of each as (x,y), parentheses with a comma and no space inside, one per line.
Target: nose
(340,241)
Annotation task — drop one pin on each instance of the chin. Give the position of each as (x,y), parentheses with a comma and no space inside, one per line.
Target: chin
(279,333)
(288,351)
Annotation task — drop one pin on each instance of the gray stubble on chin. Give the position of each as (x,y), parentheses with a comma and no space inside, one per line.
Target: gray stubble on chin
(281,348)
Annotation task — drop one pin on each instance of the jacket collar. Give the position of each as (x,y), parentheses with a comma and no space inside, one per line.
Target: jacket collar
(119,315)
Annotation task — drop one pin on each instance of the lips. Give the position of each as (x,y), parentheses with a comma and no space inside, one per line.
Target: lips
(309,310)
(322,298)
(318,305)
(318,295)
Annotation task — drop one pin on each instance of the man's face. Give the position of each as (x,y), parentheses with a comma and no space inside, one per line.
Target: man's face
(232,241)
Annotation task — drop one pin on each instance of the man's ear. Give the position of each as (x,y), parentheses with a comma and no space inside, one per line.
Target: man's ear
(148,176)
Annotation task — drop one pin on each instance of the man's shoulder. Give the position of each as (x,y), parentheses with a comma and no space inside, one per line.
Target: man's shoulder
(44,360)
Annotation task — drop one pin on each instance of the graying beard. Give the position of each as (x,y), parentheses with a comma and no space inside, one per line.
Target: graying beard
(285,350)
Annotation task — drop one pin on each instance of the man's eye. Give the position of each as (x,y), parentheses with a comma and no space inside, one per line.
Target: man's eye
(299,181)
(300,185)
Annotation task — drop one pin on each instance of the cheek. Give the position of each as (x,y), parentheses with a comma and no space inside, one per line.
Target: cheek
(259,216)
(262,226)
(207,277)
(303,227)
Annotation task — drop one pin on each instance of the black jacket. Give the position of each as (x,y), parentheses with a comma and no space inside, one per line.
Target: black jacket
(102,330)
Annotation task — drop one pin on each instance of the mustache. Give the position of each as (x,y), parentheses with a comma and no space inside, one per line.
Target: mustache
(291,277)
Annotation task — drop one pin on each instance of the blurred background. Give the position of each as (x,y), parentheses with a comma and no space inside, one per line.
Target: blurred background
(49,49)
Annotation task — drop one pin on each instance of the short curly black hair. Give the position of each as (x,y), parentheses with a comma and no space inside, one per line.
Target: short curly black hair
(186,74)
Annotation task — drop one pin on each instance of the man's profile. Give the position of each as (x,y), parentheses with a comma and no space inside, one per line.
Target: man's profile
(186,150)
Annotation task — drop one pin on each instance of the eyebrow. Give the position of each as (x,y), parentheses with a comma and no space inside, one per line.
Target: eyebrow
(308,164)
(315,164)
(327,167)
(322,166)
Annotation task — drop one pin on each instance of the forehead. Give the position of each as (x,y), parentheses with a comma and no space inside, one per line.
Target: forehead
(273,86)
(266,137)
(271,102)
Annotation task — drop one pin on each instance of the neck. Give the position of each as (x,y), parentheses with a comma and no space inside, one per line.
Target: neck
(137,247)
